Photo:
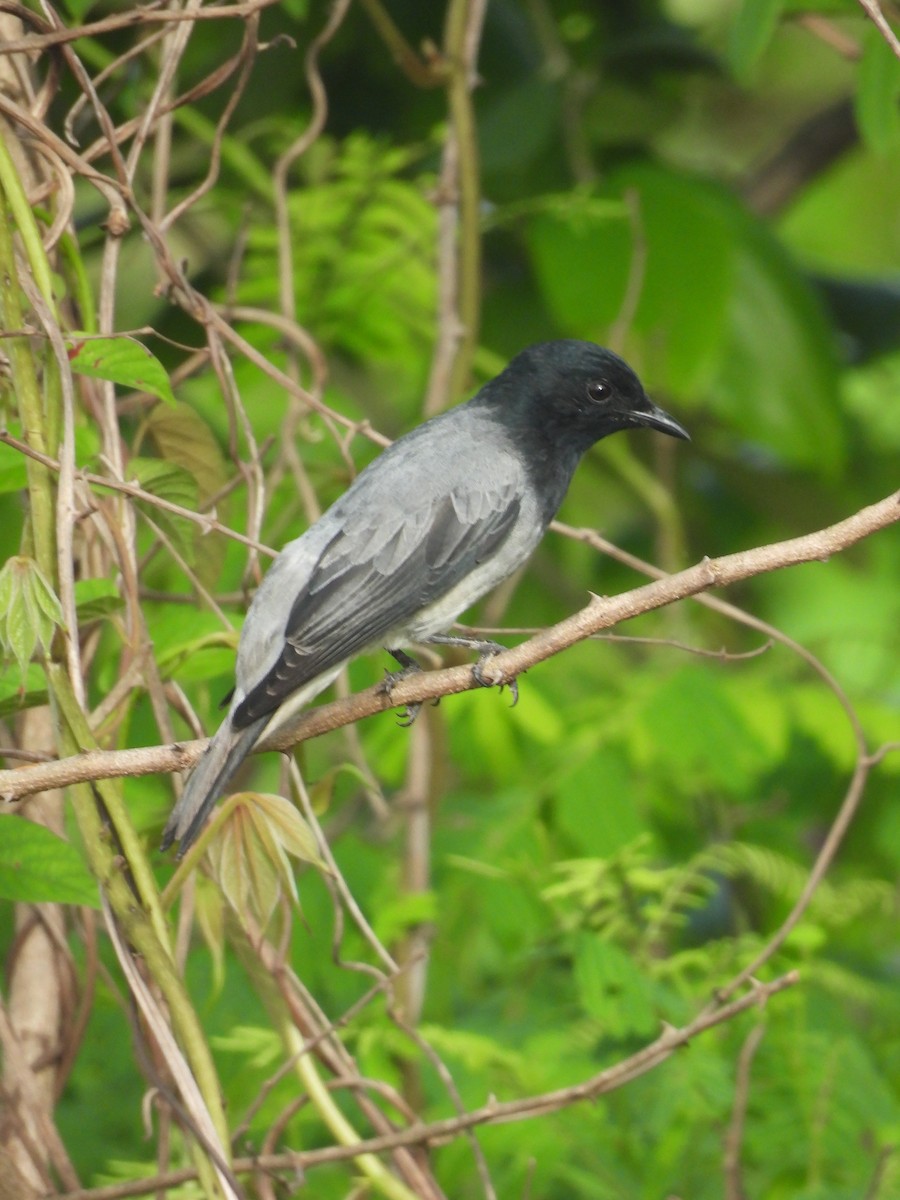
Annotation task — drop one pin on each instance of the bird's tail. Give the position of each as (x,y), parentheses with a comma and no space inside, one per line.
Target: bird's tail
(208,780)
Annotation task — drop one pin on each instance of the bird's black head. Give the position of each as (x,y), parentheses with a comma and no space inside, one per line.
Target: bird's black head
(569,394)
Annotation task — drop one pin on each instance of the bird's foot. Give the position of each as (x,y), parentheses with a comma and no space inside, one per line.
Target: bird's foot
(486,651)
(408,667)
(478,672)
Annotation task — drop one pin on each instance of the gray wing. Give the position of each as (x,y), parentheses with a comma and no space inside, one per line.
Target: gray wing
(375,574)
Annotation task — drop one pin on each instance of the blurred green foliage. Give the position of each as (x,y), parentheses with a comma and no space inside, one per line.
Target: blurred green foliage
(609,852)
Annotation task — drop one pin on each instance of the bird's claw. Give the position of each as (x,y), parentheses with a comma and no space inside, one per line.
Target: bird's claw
(486,650)
(392,678)
(409,714)
(487,653)
(408,667)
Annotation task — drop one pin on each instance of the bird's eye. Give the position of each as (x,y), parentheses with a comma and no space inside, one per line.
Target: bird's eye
(599,389)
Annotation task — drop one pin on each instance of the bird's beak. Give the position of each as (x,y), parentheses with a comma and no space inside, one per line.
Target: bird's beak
(655,417)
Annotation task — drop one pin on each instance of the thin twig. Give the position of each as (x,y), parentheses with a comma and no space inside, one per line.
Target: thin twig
(873,11)
(734,1135)
(147,14)
(206,522)
(865,760)
(494,1112)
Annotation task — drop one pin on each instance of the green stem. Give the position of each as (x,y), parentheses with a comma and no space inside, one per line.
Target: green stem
(25,221)
(142,923)
(453,69)
(344,1134)
(78,283)
(462,119)
(374,1170)
(133,897)
(75,723)
(27,390)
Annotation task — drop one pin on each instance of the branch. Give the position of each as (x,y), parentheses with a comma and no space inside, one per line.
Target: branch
(873,11)
(206,521)
(463,24)
(734,1135)
(145,14)
(805,155)
(601,613)
(492,1113)
(866,760)
(421,71)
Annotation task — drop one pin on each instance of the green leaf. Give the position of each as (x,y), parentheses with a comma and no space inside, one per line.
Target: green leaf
(877,95)
(96,598)
(358,232)
(690,730)
(191,644)
(182,437)
(286,826)
(167,480)
(595,804)
(20,689)
(593,267)
(259,831)
(209,909)
(405,912)
(257,1043)
(478,1052)
(175,484)
(751,33)
(122,360)
(13,472)
(581,255)
(854,623)
(30,613)
(519,124)
(612,989)
(78,9)
(778,378)
(845,222)
(38,867)
(46,601)
(864,392)
(815,711)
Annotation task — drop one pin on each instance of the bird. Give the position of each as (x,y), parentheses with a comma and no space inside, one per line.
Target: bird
(438,519)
